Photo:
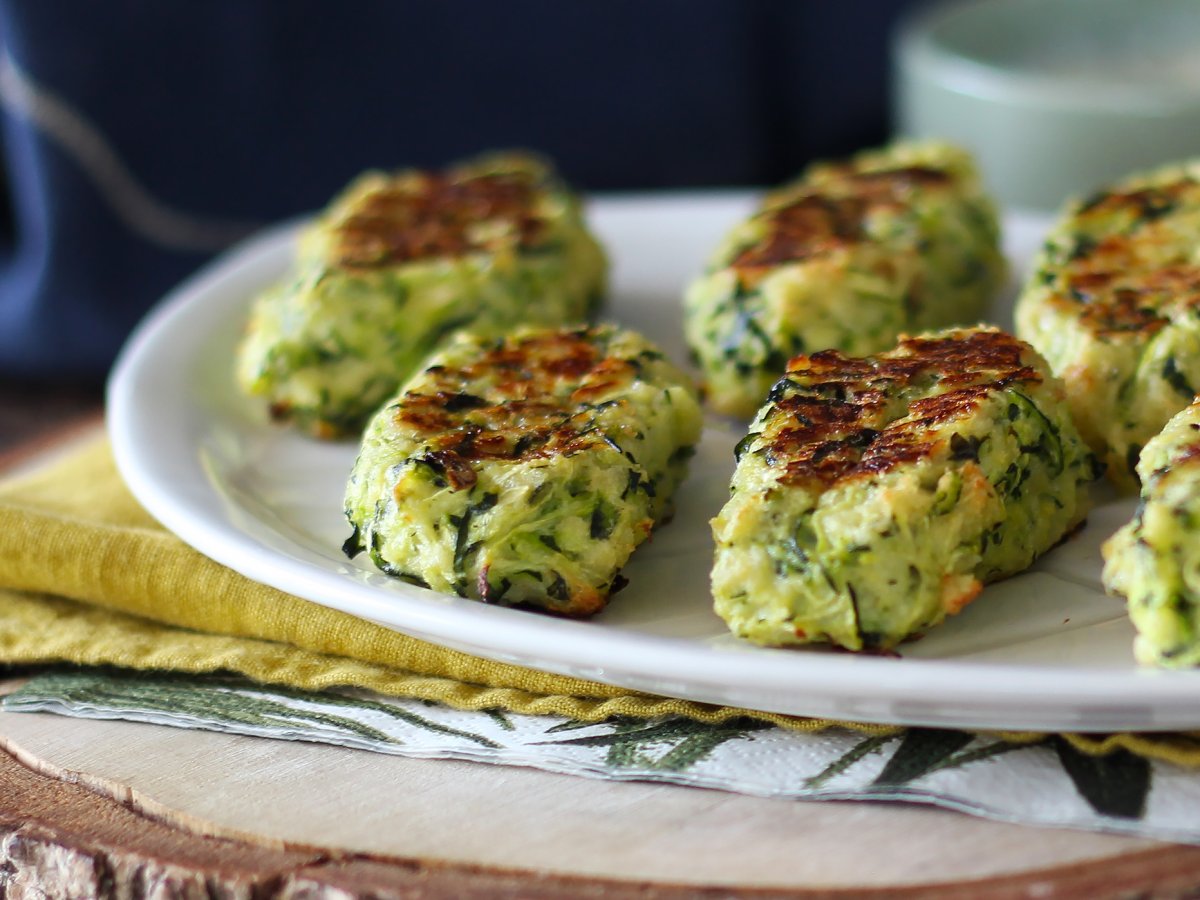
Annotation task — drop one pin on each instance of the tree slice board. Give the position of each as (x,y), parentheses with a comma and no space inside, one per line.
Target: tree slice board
(125,800)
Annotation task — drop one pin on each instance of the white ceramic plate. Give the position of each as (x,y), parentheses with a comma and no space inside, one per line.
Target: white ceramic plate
(1045,650)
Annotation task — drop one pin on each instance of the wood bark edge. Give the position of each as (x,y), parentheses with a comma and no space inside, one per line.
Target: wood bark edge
(65,833)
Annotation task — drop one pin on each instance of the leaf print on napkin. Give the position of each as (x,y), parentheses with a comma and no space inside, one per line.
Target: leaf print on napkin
(922,751)
(1114,785)
(213,702)
(500,718)
(861,750)
(231,702)
(630,742)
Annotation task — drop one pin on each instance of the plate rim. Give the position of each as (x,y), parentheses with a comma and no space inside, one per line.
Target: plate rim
(866,688)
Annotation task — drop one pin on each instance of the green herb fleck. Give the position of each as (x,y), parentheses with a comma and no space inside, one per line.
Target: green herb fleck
(1176,379)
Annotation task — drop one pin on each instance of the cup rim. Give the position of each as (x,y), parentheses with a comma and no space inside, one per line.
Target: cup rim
(921,49)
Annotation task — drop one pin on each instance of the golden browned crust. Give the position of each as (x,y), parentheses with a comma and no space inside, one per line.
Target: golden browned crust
(819,222)
(886,183)
(1120,279)
(526,398)
(1189,455)
(810,226)
(430,216)
(830,418)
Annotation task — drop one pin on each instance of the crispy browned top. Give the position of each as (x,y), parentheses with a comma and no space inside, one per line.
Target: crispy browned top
(807,227)
(430,216)
(887,184)
(1189,455)
(820,221)
(836,417)
(526,398)
(1185,454)
(1128,268)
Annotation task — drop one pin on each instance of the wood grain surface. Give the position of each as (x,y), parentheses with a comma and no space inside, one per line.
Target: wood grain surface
(117,809)
(96,808)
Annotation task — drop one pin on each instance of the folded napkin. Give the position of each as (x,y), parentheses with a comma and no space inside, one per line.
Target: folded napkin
(1045,783)
(89,577)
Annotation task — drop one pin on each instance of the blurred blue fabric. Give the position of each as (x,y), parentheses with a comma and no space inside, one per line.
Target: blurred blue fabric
(141,137)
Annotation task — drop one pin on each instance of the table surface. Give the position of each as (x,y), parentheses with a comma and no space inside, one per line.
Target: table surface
(97,808)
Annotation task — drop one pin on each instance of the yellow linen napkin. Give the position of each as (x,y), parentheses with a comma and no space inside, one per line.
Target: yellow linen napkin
(89,577)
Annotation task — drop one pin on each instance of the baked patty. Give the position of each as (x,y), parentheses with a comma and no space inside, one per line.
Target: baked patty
(1114,306)
(1154,560)
(848,257)
(873,496)
(524,470)
(401,261)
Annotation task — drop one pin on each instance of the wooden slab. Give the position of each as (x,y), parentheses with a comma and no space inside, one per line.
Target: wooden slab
(463,825)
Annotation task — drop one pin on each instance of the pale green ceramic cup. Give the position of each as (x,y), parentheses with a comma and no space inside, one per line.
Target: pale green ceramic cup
(1055,97)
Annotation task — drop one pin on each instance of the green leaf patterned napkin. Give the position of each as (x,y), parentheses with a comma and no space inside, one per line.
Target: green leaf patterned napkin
(1048,782)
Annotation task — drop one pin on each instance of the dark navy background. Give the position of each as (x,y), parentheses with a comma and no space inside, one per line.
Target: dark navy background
(255,111)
